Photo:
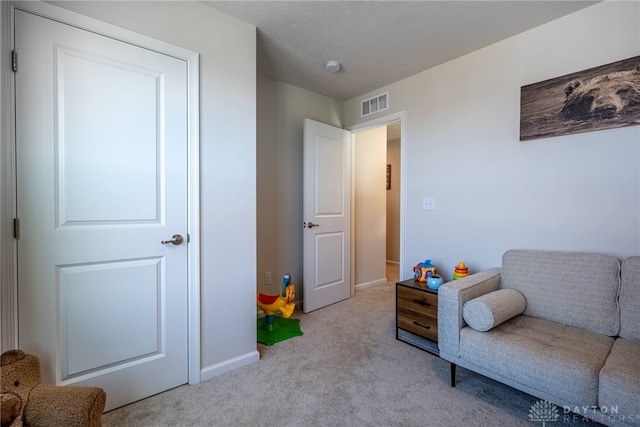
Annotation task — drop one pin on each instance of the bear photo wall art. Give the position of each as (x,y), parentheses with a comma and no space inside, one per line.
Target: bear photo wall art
(603,97)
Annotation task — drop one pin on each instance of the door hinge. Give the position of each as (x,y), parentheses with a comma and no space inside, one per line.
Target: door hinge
(14,61)
(16,228)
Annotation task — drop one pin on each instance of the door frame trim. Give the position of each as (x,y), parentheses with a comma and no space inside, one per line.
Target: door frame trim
(401,117)
(8,246)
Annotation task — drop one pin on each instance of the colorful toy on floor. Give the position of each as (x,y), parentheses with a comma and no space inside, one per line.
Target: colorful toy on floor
(272,329)
(460,271)
(271,304)
(423,270)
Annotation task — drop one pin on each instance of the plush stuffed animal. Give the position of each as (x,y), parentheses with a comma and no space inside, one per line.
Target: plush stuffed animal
(27,402)
(10,407)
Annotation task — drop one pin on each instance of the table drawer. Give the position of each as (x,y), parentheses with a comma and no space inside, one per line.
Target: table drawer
(418,301)
(417,312)
(424,326)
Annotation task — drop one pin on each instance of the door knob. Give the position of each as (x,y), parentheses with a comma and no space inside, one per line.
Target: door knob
(311,225)
(177,240)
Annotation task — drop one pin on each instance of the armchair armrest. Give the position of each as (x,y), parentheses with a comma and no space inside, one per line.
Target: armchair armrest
(451,299)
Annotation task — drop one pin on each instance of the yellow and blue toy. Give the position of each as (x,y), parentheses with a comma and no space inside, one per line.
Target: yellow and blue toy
(271,304)
(424,270)
(272,329)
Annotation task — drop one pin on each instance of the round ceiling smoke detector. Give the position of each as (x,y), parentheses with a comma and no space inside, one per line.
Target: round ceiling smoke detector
(333,66)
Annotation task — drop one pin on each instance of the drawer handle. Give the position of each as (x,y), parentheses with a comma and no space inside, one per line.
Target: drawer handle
(422,302)
(421,325)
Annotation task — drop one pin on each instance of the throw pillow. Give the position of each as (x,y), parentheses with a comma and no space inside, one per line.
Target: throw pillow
(490,310)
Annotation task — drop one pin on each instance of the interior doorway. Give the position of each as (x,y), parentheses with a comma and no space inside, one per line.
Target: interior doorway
(393,202)
(377,202)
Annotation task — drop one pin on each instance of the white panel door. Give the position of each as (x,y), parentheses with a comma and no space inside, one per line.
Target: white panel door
(101,148)
(326,212)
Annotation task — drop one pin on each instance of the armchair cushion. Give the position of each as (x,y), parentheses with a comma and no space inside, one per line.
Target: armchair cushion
(489,310)
(630,299)
(573,288)
(546,357)
(619,379)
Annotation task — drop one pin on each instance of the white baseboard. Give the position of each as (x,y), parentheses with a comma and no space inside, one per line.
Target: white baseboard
(377,282)
(229,365)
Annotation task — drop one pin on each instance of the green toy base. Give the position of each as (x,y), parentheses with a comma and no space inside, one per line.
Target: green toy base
(279,330)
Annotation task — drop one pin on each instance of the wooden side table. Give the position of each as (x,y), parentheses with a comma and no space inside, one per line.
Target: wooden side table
(417,315)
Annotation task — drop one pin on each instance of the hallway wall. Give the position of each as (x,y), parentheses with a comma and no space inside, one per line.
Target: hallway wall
(393,202)
(369,209)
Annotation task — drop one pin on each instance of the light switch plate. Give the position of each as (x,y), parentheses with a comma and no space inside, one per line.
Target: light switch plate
(428,203)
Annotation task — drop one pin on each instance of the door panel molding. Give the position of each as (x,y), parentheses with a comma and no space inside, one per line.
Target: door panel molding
(8,279)
(84,303)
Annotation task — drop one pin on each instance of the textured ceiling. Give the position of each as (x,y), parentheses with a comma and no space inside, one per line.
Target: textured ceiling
(378,42)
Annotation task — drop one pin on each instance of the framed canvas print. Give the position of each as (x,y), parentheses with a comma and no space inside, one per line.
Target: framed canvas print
(603,97)
(388,177)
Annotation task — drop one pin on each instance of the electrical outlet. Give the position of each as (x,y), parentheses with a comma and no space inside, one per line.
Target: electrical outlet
(267,278)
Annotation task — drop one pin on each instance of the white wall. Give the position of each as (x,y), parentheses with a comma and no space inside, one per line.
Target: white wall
(370,206)
(579,192)
(227,49)
(281,111)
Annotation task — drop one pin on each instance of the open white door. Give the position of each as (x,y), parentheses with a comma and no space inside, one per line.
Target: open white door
(327,215)
(101,147)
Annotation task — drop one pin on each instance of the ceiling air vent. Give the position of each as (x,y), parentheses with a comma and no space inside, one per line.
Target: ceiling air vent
(375,105)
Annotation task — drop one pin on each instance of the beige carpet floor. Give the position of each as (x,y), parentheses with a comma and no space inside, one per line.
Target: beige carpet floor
(347,369)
